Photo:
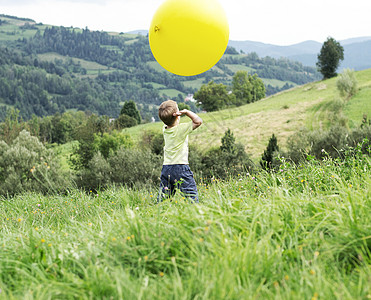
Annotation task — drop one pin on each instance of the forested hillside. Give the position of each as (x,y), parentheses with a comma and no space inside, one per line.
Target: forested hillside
(49,69)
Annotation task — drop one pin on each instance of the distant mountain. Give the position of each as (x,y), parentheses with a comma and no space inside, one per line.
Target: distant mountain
(275,51)
(140,32)
(357,51)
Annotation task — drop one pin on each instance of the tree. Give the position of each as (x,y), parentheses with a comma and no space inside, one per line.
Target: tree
(228,142)
(213,96)
(329,58)
(130,109)
(241,87)
(267,162)
(182,105)
(247,88)
(125,121)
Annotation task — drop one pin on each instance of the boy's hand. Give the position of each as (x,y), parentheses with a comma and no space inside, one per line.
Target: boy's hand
(180,113)
(197,121)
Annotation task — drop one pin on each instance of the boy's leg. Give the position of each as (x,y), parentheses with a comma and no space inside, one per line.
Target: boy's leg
(188,185)
(166,185)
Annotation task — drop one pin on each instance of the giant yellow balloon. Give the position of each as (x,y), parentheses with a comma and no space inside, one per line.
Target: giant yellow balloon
(188,37)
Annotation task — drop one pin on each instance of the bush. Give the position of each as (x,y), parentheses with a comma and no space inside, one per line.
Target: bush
(331,143)
(125,121)
(347,83)
(229,159)
(268,161)
(153,141)
(131,167)
(217,163)
(135,167)
(26,165)
(110,143)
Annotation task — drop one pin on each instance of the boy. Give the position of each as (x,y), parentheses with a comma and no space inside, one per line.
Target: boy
(175,170)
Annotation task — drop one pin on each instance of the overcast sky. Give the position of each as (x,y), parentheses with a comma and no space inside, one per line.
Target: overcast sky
(282,22)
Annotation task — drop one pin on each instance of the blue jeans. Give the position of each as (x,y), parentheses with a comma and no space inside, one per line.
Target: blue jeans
(177,177)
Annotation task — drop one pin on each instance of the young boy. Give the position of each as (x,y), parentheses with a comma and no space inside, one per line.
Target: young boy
(175,170)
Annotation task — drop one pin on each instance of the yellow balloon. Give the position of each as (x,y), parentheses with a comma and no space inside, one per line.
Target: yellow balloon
(188,37)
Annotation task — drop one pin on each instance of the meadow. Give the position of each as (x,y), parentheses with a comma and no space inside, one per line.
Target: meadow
(300,233)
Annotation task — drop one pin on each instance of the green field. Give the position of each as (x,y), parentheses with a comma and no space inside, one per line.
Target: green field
(358,107)
(157,85)
(171,93)
(301,233)
(276,82)
(196,84)
(235,68)
(92,68)
(156,66)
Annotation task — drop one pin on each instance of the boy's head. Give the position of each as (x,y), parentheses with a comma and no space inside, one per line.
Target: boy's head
(166,111)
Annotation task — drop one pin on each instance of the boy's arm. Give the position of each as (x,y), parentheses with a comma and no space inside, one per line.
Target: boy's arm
(196,120)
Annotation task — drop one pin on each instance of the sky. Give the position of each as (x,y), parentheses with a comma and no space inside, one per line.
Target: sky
(284,22)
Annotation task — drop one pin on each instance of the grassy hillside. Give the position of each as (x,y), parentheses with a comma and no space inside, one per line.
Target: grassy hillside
(282,114)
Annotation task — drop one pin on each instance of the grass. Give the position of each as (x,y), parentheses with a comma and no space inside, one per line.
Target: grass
(171,93)
(156,66)
(92,68)
(12,31)
(196,84)
(357,107)
(235,68)
(157,85)
(277,83)
(64,151)
(301,233)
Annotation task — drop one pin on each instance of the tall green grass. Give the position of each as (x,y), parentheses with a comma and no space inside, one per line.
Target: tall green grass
(301,233)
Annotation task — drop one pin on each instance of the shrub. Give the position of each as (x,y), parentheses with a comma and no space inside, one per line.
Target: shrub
(331,142)
(268,158)
(135,167)
(153,141)
(110,143)
(26,165)
(125,121)
(229,159)
(130,109)
(131,167)
(96,175)
(347,83)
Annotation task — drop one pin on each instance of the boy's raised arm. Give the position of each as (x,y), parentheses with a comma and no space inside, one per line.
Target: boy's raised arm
(196,120)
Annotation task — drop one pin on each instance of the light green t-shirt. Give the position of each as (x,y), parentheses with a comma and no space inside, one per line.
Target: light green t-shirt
(176,144)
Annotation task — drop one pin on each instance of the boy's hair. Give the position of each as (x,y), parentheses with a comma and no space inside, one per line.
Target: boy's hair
(166,111)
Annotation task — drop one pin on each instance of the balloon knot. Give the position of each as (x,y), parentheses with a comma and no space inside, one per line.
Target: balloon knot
(157,28)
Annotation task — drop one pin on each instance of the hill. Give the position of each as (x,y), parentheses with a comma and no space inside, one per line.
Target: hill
(307,106)
(49,69)
(357,51)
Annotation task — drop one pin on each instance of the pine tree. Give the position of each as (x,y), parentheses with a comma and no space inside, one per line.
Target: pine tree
(228,142)
(267,157)
(130,109)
